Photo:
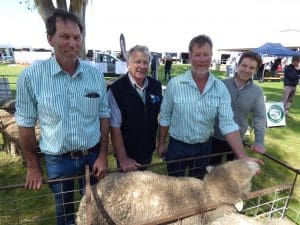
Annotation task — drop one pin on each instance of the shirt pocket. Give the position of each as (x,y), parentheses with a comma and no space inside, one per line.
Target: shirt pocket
(185,107)
(88,106)
(51,107)
(213,104)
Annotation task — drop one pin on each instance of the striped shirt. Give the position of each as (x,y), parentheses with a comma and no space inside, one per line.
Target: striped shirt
(68,108)
(190,115)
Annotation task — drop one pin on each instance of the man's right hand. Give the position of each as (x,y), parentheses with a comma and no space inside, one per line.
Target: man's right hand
(161,150)
(34,178)
(129,164)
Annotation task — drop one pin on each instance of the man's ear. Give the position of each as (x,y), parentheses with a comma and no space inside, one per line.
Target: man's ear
(50,40)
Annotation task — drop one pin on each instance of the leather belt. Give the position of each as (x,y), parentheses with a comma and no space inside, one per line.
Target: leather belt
(81,153)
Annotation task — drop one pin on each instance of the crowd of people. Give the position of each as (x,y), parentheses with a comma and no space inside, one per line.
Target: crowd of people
(197,116)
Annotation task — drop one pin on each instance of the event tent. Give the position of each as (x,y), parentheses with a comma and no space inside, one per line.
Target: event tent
(275,49)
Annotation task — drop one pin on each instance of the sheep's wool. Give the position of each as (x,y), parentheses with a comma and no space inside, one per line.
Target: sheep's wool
(139,197)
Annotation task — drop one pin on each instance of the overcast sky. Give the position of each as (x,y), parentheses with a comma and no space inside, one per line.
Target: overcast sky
(165,25)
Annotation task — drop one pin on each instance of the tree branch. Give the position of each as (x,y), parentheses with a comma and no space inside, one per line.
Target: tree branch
(61,4)
(45,8)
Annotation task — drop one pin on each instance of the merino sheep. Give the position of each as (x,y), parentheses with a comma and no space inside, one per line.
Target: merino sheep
(136,197)
(227,214)
(9,128)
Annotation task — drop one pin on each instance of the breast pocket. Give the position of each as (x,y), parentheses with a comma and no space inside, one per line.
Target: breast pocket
(184,108)
(213,104)
(51,107)
(89,106)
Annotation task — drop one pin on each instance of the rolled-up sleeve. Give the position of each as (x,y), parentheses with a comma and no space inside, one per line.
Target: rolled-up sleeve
(225,114)
(26,109)
(166,108)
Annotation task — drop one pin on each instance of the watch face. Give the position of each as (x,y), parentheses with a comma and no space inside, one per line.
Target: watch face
(275,113)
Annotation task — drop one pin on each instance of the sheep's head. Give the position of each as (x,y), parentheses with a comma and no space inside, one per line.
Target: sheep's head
(228,182)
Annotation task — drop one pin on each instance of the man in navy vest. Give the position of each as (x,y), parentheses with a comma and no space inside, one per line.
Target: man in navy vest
(135,101)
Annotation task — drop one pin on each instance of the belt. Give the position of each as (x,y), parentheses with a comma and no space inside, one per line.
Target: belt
(81,153)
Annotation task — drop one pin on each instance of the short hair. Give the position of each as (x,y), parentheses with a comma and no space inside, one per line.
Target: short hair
(138,48)
(65,16)
(296,58)
(252,55)
(200,40)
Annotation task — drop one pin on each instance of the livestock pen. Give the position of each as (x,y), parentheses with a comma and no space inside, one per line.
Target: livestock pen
(272,195)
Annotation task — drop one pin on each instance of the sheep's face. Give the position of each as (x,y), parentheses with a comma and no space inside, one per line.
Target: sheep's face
(229,181)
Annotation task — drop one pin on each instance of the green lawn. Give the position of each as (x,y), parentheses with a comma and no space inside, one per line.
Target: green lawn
(281,142)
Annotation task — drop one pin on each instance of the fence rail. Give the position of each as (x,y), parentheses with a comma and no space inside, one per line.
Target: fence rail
(269,197)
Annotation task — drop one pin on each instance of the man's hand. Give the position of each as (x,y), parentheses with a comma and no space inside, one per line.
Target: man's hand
(129,164)
(34,178)
(100,166)
(161,150)
(258,148)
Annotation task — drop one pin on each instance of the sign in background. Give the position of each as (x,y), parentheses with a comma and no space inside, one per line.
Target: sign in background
(275,114)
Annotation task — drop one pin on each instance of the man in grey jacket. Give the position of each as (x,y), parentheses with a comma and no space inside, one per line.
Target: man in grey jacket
(247,99)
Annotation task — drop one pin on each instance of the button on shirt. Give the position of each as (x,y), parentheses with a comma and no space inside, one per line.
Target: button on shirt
(68,108)
(191,114)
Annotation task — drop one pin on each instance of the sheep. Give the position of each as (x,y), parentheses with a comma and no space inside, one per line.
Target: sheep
(136,197)
(228,215)
(9,128)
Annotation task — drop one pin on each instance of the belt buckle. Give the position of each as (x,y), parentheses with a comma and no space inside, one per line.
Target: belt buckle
(73,154)
(85,152)
(78,154)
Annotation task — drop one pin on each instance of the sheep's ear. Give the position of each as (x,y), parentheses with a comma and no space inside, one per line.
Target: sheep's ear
(239,205)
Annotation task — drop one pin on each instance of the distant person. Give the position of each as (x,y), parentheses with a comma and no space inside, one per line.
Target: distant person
(247,99)
(274,67)
(168,66)
(154,66)
(68,98)
(135,101)
(230,67)
(190,105)
(291,80)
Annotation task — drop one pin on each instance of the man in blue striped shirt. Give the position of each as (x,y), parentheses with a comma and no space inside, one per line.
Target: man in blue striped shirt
(68,98)
(190,105)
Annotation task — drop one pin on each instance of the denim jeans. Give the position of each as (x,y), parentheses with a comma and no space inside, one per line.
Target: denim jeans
(180,150)
(220,146)
(60,166)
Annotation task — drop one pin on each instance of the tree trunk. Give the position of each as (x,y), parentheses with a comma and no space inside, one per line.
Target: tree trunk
(77,7)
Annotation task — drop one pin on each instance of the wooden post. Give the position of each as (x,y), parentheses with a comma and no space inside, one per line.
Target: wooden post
(88,196)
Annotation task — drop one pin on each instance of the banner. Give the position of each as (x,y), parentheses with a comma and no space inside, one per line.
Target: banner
(275,114)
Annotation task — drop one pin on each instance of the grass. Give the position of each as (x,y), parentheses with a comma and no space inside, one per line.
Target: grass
(281,142)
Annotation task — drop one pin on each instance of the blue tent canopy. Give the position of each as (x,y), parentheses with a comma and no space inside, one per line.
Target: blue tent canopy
(275,49)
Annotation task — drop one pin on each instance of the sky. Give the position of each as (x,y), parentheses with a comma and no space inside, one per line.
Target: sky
(164,25)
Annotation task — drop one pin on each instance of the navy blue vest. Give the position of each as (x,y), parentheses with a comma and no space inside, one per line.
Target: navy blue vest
(139,120)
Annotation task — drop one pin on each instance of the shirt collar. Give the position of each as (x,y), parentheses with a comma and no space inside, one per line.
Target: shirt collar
(134,84)
(188,78)
(56,69)
(244,86)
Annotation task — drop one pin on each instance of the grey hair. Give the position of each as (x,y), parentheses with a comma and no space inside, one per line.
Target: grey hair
(138,48)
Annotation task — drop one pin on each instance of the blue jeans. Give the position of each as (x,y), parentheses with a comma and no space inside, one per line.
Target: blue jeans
(60,166)
(179,150)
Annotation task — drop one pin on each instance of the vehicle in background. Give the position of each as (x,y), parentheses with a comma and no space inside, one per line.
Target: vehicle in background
(110,65)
